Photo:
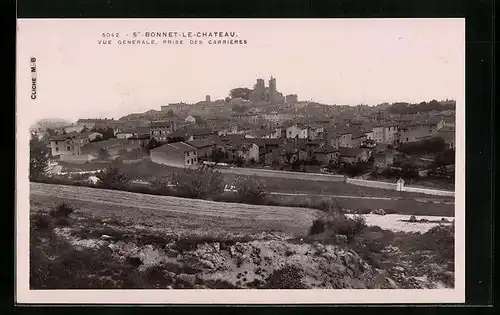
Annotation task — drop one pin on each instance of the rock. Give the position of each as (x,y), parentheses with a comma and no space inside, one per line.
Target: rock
(103,243)
(169,287)
(190,279)
(341,239)
(379,212)
(216,246)
(413,219)
(443,220)
(208,264)
(399,268)
(105,237)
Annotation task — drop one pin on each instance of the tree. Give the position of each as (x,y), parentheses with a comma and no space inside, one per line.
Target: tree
(445,158)
(152,144)
(243,93)
(39,158)
(170,113)
(239,108)
(103,154)
(198,183)
(107,132)
(112,177)
(96,139)
(250,189)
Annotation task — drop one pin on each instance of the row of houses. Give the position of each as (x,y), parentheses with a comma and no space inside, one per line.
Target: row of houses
(261,150)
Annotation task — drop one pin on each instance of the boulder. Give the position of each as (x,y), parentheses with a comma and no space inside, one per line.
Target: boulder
(413,219)
(190,279)
(341,239)
(379,212)
(105,237)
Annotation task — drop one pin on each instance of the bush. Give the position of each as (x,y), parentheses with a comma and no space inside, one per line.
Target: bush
(198,183)
(61,211)
(41,221)
(111,178)
(288,277)
(39,158)
(61,221)
(317,227)
(338,224)
(355,169)
(250,190)
(432,145)
(161,185)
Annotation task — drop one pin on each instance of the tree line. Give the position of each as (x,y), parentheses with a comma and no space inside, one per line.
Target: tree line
(403,108)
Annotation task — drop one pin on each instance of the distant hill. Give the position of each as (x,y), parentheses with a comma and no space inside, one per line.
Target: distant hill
(148,115)
(51,123)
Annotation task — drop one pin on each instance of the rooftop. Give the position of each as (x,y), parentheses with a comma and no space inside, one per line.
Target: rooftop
(352,152)
(174,147)
(201,143)
(326,149)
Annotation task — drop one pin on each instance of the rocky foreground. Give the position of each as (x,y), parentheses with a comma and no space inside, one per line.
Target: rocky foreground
(85,252)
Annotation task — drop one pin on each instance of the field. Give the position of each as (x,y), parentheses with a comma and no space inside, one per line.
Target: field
(189,215)
(146,170)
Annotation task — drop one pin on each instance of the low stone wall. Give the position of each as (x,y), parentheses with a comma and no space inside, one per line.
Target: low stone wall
(76,158)
(402,187)
(427,191)
(371,183)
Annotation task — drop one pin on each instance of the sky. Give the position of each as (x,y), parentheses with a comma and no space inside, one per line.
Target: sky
(328,61)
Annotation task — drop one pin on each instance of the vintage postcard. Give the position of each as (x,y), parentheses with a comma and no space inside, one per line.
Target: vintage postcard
(270,161)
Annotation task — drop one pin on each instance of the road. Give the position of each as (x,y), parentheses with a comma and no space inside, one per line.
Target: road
(282,174)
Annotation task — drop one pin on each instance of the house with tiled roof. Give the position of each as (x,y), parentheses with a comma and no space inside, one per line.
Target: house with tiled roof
(383,159)
(161,130)
(327,154)
(113,147)
(297,130)
(447,133)
(70,143)
(178,154)
(204,147)
(353,155)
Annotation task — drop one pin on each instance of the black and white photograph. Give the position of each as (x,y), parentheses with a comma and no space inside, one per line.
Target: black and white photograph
(240,161)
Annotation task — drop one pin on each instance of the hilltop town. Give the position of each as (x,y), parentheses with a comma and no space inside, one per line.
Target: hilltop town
(258,190)
(262,128)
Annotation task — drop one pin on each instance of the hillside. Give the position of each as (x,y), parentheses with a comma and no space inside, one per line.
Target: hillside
(104,239)
(51,123)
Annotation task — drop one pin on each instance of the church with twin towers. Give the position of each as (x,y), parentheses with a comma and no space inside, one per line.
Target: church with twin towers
(269,94)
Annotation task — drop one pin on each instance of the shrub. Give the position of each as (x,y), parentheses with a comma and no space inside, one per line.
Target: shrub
(112,177)
(61,211)
(41,221)
(198,183)
(250,189)
(432,145)
(355,169)
(288,277)
(61,221)
(338,224)
(317,227)
(161,185)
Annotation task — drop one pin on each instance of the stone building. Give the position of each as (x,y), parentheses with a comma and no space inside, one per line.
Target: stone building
(263,94)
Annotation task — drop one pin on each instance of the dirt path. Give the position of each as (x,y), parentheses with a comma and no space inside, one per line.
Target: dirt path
(197,211)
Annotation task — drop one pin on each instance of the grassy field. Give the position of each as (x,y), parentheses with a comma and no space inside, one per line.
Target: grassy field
(400,206)
(147,170)
(181,214)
